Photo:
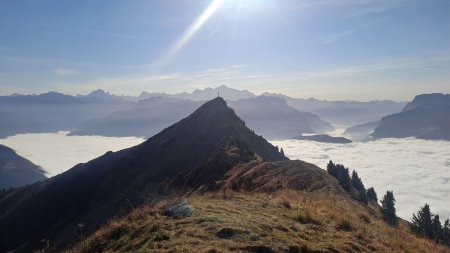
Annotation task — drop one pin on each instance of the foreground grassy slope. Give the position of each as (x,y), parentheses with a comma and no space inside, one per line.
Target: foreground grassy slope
(284,221)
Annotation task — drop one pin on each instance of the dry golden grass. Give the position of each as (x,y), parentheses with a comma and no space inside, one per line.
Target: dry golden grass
(288,221)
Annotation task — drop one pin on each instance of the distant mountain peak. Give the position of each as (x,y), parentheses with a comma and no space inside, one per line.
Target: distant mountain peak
(98,92)
(205,94)
(433,99)
(53,93)
(216,105)
(426,117)
(217,112)
(210,119)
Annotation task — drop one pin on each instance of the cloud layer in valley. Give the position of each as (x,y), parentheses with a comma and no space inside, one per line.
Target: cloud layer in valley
(56,152)
(418,171)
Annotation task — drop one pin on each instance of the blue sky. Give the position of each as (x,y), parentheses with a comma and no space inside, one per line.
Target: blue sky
(347,49)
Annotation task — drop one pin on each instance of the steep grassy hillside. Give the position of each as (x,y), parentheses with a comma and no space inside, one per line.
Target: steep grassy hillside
(288,206)
(286,221)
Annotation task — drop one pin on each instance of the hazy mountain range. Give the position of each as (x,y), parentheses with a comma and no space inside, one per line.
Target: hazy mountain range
(206,94)
(13,123)
(361,132)
(426,117)
(51,112)
(145,118)
(274,116)
(275,119)
(101,113)
(269,116)
(17,171)
(344,113)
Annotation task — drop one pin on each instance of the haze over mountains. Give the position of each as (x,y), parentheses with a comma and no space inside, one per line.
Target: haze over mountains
(275,116)
(52,111)
(361,132)
(144,119)
(206,94)
(426,117)
(101,113)
(344,113)
(274,119)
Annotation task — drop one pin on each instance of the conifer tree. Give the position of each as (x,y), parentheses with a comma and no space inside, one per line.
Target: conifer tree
(371,194)
(345,179)
(341,174)
(428,225)
(422,223)
(388,209)
(446,233)
(437,229)
(331,168)
(356,181)
(359,186)
(362,196)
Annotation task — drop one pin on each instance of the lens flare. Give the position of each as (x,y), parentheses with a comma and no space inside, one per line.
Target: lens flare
(192,29)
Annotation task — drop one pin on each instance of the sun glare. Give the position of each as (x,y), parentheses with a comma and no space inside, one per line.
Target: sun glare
(195,26)
(192,29)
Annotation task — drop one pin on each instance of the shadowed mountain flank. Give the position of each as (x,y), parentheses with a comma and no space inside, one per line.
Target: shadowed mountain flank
(193,153)
(16,171)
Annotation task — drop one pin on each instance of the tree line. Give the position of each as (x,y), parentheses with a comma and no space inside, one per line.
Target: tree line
(356,188)
(428,225)
(353,184)
(424,223)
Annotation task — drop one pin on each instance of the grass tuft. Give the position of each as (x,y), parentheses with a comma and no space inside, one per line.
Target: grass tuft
(307,218)
(344,225)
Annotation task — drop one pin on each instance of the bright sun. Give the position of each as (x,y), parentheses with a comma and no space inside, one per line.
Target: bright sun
(202,19)
(193,28)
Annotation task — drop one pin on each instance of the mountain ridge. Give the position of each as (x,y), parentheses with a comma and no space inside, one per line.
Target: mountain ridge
(269,116)
(16,171)
(427,116)
(99,109)
(191,153)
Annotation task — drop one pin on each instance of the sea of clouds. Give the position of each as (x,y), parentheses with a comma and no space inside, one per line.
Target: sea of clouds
(57,152)
(418,171)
